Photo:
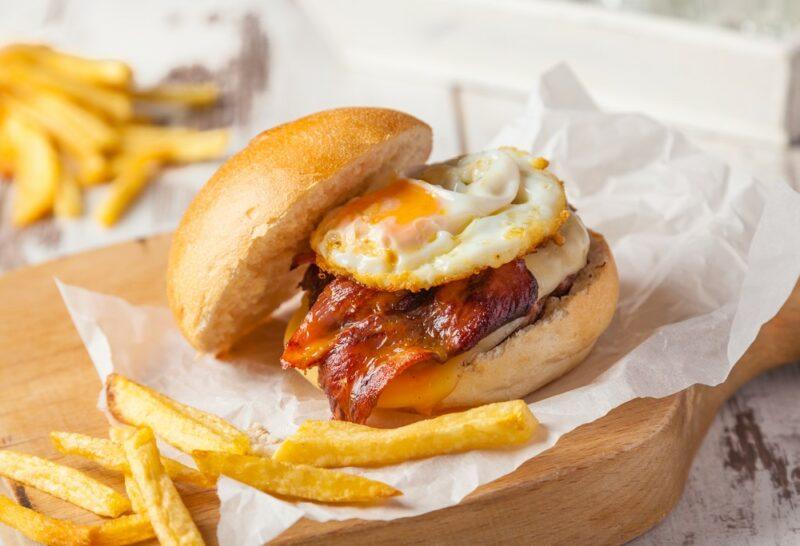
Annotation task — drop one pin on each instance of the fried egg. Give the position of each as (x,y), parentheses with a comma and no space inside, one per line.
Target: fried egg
(449,222)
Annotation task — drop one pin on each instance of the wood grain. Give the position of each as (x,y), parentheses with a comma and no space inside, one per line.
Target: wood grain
(604,483)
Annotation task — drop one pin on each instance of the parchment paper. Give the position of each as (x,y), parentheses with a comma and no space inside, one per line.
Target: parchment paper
(706,255)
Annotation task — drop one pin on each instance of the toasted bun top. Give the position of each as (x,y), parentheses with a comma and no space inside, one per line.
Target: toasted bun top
(230,257)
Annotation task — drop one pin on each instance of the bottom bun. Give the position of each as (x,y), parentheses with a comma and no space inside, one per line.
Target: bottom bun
(538,353)
(550,347)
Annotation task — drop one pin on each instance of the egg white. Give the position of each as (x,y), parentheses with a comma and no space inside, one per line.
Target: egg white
(453,220)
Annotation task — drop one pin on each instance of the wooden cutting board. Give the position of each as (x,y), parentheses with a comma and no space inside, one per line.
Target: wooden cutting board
(604,483)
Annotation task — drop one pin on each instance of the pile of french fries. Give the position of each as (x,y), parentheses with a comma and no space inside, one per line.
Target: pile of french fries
(68,123)
(152,506)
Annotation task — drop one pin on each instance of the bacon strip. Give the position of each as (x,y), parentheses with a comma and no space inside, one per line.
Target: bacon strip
(362,338)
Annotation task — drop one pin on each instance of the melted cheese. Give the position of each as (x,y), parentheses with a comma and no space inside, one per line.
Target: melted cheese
(423,386)
(552,263)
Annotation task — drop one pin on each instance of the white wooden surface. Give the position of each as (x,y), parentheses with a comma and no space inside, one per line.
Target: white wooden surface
(744,488)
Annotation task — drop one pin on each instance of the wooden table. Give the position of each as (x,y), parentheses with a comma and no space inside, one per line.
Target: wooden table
(744,487)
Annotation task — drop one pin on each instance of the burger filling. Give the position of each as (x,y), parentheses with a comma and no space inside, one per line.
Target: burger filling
(404,345)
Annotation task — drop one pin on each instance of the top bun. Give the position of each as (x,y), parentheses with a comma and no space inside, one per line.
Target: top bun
(230,257)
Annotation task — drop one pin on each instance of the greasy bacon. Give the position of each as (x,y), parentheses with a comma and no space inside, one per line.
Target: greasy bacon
(361,338)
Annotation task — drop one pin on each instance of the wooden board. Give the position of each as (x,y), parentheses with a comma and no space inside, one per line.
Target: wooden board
(604,483)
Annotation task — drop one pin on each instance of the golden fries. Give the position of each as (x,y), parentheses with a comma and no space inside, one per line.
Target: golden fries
(84,108)
(337,443)
(110,455)
(36,170)
(168,515)
(291,480)
(41,528)
(122,531)
(63,482)
(184,427)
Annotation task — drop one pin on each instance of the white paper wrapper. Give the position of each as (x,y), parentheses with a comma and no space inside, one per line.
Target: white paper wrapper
(706,255)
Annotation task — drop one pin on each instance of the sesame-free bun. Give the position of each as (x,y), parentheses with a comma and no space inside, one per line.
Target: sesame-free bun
(229,264)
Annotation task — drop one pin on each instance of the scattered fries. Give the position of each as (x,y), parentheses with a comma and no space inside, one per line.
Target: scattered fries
(42,528)
(63,482)
(339,443)
(110,455)
(291,480)
(186,428)
(296,470)
(168,515)
(83,110)
(124,530)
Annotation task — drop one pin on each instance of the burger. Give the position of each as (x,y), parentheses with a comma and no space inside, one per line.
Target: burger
(424,287)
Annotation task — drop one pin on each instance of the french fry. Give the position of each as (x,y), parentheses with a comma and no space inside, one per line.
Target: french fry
(132,179)
(63,482)
(123,530)
(110,455)
(291,480)
(36,171)
(42,528)
(92,71)
(168,515)
(189,94)
(184,427)
(110,102)
(174,144)
(337,443)
(69,199)
(76,127)
(106,453)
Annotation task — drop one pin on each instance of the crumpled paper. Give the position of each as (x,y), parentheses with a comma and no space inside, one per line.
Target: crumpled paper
(706,254)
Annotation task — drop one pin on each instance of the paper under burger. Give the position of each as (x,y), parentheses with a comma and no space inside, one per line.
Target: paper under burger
(424,287)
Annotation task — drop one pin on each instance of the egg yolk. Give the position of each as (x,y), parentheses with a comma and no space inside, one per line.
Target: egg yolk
(401,200)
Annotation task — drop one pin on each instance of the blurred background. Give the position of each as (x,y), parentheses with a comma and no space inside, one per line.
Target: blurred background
(727,72)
